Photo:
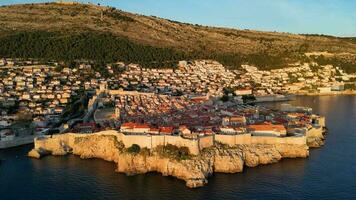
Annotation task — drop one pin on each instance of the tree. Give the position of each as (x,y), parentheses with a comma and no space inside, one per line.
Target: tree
(225,98)
(23,117)
(248,98)
(134,149)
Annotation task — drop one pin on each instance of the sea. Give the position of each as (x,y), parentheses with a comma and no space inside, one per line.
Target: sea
(329,172)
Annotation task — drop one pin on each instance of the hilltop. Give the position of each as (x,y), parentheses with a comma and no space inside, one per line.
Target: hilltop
(83,31)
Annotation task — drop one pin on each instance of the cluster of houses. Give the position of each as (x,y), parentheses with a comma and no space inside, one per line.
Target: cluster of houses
(42,90)
(167,99)
(147,104)
(38,90)
(298,78)
(254,121)
(200,76)
(137,113)
(207,77)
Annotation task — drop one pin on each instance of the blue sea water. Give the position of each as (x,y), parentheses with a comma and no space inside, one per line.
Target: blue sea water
(329,172)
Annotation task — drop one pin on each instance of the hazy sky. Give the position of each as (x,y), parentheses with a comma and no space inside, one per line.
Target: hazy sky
(332,17)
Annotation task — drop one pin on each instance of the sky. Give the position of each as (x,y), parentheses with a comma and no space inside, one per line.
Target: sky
(329,17)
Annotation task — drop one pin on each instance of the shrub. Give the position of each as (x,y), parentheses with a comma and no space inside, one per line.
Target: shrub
(135,149)
(145,151)
(248,98)
(172,151)
(183,153)
(119,145)
(117,15)
(225,98)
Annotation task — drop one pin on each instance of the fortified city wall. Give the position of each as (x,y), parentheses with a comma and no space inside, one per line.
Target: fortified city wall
(194,145)
(248,139)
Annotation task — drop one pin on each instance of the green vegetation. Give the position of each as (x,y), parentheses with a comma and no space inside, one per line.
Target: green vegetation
(348,66)
(134,149)
(263,61)
(248,98)
(75,108)
(102,48)
(174,152)
(293,78)
(145,152)
(118,144)
(24,117)
(314,68)
(98,47)
(115,14)
(59,32)
(350,86)
(225,98)
(228,92)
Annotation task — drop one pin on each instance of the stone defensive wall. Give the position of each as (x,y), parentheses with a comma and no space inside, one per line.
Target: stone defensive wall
(152,141)
(144,141)
(233,140)
(246,139)
(295,140)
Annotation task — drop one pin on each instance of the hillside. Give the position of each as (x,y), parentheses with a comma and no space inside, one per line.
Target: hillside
(83,31)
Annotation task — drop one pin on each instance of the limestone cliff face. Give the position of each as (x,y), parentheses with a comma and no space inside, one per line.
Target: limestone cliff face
(265,154)
(195,170)
(315,142)
(227,160)
(96,146)
(316,137)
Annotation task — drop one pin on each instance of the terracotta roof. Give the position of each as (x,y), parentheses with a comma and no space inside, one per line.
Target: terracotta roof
(267,127)
(181,127)
(132,125)
(166,130)
(237,119)
(128,125)
(142,126)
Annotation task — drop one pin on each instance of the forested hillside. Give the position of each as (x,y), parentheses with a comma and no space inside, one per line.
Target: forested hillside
(67,32)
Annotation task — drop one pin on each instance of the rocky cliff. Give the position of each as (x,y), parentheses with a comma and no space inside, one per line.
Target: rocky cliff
(317,140)
(195,170)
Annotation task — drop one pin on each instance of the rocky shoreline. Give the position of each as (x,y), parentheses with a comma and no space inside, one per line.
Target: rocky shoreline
(194,170)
